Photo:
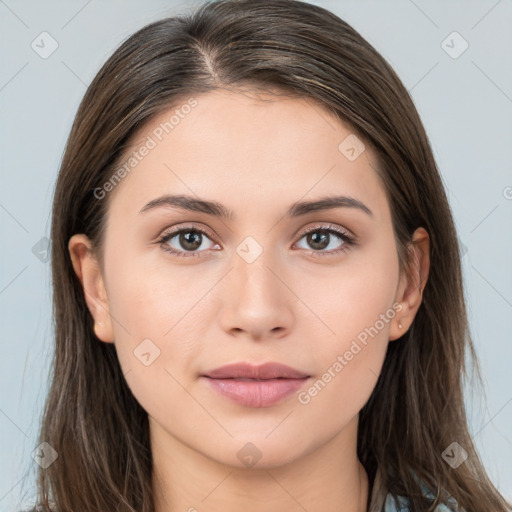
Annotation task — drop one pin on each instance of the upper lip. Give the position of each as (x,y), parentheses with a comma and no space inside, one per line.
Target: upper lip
(263,372)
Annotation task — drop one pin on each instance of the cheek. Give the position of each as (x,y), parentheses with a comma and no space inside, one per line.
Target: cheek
(350,364)
(359,310)
(147,295)
(157,317)
(154,338)
(359,297)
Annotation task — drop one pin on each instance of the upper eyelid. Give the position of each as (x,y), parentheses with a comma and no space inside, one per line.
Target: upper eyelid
(320,226)
(188,227)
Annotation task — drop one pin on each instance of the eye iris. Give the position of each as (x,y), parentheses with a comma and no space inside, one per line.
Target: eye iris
(190,242)
(318,237)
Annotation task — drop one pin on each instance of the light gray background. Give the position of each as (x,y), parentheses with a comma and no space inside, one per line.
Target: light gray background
(465,104)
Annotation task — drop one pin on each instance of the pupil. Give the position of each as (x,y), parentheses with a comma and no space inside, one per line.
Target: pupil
(317,238)
(190,242)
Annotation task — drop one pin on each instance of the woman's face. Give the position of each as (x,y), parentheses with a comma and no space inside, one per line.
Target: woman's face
(252,287)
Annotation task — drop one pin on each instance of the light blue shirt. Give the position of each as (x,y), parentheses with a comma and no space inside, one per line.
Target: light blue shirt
(389,505)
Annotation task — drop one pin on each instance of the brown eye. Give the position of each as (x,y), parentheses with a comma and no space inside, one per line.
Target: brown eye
(188,241)
(321,237)
(318,240)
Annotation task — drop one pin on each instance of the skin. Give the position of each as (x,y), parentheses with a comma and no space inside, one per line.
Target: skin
(257,158)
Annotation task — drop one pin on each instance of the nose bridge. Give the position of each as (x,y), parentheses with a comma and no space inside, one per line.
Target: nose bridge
(256,300)
(255,263)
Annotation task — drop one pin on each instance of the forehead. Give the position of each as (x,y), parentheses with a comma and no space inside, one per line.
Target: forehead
(249,147)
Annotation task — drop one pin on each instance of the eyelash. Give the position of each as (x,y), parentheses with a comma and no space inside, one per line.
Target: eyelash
(347,239)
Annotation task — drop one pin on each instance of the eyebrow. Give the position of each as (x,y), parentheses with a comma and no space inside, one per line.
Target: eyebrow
(219,210)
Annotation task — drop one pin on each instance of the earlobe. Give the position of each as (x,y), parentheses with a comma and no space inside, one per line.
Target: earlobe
(412,283)
(89,274)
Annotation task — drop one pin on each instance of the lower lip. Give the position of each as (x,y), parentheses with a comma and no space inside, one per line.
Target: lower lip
(256,393)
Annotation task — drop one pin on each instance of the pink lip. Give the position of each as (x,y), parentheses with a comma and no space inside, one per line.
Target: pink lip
(256,386)
(263,372)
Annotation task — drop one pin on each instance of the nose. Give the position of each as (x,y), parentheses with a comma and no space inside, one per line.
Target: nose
(257,303)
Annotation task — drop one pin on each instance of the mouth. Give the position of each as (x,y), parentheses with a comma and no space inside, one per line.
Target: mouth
(261,372)
(256,386)
(243,379)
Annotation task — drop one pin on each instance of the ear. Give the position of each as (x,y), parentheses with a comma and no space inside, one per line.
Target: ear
(88,271)
(412,283)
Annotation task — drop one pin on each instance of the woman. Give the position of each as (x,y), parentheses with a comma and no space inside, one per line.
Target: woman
(257,285)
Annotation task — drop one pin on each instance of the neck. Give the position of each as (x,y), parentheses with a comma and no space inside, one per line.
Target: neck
(329,479)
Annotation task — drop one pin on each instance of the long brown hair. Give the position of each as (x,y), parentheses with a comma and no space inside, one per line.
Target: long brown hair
(416,410)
